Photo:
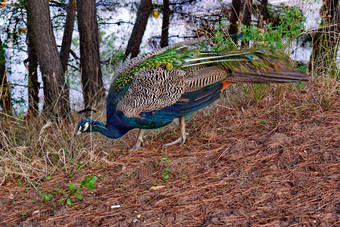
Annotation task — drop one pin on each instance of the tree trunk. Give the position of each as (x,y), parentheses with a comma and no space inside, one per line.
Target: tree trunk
(33,84)
(56,93)
(5,91)
(165,24)
(67,38)
(144,10)
(325,42)
(91,74)
(263,13)
(248,10)
(234,18)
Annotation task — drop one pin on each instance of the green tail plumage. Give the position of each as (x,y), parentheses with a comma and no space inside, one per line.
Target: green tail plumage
(251,65)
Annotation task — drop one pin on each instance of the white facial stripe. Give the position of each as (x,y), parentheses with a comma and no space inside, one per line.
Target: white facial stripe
(86,126)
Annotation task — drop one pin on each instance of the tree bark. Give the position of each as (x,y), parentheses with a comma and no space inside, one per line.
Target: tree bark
(234,18)
(33,84)
(248,10)
(165,24)
(56,92)
(67,38)
(5,91)
(325,41)
(91,74)
(263,13)
(144,10)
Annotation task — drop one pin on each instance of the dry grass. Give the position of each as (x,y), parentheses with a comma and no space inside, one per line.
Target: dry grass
(270,157)
(34,149)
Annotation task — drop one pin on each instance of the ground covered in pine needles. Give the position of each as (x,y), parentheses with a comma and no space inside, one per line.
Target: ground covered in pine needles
(274,161)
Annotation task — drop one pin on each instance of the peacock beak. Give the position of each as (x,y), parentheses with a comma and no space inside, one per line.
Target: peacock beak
(78,132)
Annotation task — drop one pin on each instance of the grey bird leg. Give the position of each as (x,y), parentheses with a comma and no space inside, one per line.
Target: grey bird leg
(140,140)
(183,136)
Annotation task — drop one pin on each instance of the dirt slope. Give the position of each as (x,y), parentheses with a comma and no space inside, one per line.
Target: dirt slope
(274,163)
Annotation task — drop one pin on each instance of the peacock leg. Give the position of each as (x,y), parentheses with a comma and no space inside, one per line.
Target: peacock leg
(183,136)
(140,140)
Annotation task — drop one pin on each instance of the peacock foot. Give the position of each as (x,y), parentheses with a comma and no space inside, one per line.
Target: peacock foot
(183,136)
(137,147)
(139,142)
(181,140)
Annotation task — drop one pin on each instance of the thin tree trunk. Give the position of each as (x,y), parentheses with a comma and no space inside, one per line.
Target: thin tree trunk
(263,13)
(144,10)
(67,38)
(165,24)
(91,74)
(234,18)
(325,41)
(56,92)
(5,91)
(248,10)
(33,84)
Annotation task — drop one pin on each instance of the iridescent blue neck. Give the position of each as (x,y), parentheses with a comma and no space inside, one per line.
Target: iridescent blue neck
(113,132)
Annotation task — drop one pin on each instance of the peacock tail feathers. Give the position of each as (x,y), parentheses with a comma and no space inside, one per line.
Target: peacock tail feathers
(161,78)
(180,56)
(242,60)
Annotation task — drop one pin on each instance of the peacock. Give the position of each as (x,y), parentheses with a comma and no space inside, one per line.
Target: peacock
(150,91)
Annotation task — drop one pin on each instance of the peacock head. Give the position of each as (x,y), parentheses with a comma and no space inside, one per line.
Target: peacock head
(88,125)
(85,125)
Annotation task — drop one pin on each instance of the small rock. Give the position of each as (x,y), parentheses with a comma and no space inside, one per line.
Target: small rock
(278,139)
(326,156)
(35,212)
(155,188)
(11,196)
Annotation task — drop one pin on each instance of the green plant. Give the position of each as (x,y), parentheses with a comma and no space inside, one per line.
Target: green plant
(255,92)
(165,160)
(47,196)
(280,36)
(166,172)
(89,182)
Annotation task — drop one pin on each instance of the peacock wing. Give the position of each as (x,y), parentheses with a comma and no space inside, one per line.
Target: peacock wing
(204,77)
(152,90)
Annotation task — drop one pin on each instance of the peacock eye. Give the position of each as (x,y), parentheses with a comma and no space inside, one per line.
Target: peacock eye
(86,126)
